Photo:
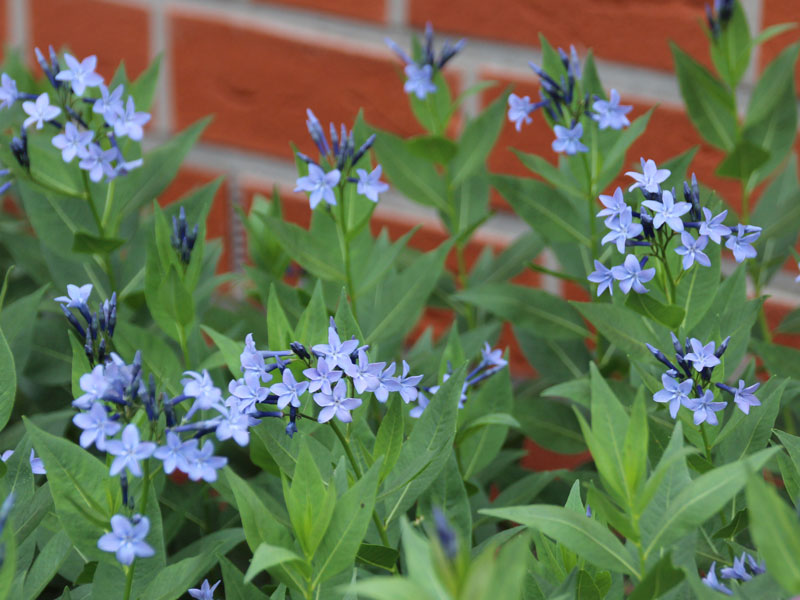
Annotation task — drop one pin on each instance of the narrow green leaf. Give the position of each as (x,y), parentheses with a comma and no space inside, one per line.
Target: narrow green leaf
(389,439)
(266,557)
(8,381)
(89,243)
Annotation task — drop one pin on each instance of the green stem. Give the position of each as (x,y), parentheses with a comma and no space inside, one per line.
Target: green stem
(98,221)
(129,582)
(567,277)
(344,248)
(463,282)
(109,204)
(55,188)
(143,508)
(705,441)
(184,347)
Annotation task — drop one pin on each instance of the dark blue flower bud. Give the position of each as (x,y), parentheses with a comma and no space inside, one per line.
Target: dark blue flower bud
(722,347)
(73,321)
(123,483)
(19,148)
(169,411)
(291,428)
(300,351)
(446,534)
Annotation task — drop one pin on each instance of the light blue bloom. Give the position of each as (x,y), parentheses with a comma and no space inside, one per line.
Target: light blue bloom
(622,229)
(603,277)
(129,122)
(675,393)
(39,111)
(701,356)
(758,568)
(109,104)
(705,408)
(289,390)
(651,177)
(364,373)
(711,580)
(126,539)
(322,377)
(492,357)
(610,113)
(37,466)
(744,397)
(740,242)
(129,451)
(408,384)
(692,250)
(569,140)
(202,464)
(336,352)
(422,404)
(236,424)
(336,404)
(370,184)
(200,387)
(631,275)
(252,360)
(76,296)
(738,570)
(174,454)
(72,142)
(419,80)
(96,426)
(247,391)
(80,74)
(519,110)
(205,592)
(8,91)
(320,184)
(712,226)
(95,385)
(614,205)
(668,211)
(387,383)
(98,162)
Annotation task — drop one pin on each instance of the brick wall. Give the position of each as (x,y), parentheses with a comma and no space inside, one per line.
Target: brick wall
(257,64)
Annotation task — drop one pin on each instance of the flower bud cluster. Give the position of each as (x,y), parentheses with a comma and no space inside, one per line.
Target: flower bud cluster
(183,240)
(98,329)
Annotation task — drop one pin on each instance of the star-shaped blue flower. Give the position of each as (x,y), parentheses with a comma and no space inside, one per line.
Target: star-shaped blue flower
(320,184)
(651,177)
(420,80)
(668,211)
(712,226)
(631,275)
(740,242)
(705,408)
(128,451)
(569,140)
(675,393)
(603,277)
(39,111)
(126,539)
(370,184)
(744,397)
(701,356)
(711,580)
(614,205)
(692,250)
(610,113)
(80,74)
(622,229)
(519,110)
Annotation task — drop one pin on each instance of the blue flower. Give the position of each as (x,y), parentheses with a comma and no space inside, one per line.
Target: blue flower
(387,383)
(96,426)
(252,360)
(492,357)
(740,242)
(37,466)
(737,571)
(8,91)
(129,451)
(370,184)
(569,140)
(72,142)
(622,229)
(322,377)
(202,464)
(80,74)
(650,178)
(98,162)
(674,392)
(200,387)
(129,122)
(236,424)
(519,110)
(174,454)
(289,390)
(422,404)
(39,111)
(364,373)
(603,277)
(336,352)
(668,211)
(705,408)
(336,404)
(711,580)
(95,386)
(127,539)
(109,104)
(205,592)
(247,391)
(320,184)
(758,568)
(614,205)
(610,113)
(701,356)
(692,250)
(744,397)
(712,226)
(76,297)
(408,384)
(631,275)
(419,80)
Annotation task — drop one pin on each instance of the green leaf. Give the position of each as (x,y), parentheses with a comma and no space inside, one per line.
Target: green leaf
(267,557)
(230,349)
(235,586)
(585,537)
(348,527)
(695,292)
(548,171)
(8,381)
(313,324)
(670,315)
(433,148)
(89,243)
(310,251)
(4,287)
(389,440)
(709,103)
(776,533)
(537,311)
(745,158)
(84,495)
(279,332)
(46,565)
(173,581)
(624,328)
(661,578)
(730,51)
(635,448)
(374,555)
(477,141)
(746,434)
(15,322)
(475,425)
(176,299)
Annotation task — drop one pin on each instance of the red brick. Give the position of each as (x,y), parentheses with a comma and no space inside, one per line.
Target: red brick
(775,12)
(367,10)
(542,459)
(218,223)
(630,31)
(776,311)
(114,31)
(258,83)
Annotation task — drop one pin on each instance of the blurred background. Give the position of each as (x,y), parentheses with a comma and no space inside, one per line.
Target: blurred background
(256,65)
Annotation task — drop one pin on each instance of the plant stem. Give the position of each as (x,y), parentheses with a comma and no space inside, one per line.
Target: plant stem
(184,347)
(143,508)
(565,276)
(105,256)
(705,441)
(109,204)
(344,248)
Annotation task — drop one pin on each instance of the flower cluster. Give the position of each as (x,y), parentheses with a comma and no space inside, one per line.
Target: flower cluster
(560,98)
(689,383)
(183,240)
(98,331)
(660,218)
(719,17)
(338,158)
(92,126)
(491,362)
(738,572)
(421,70)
